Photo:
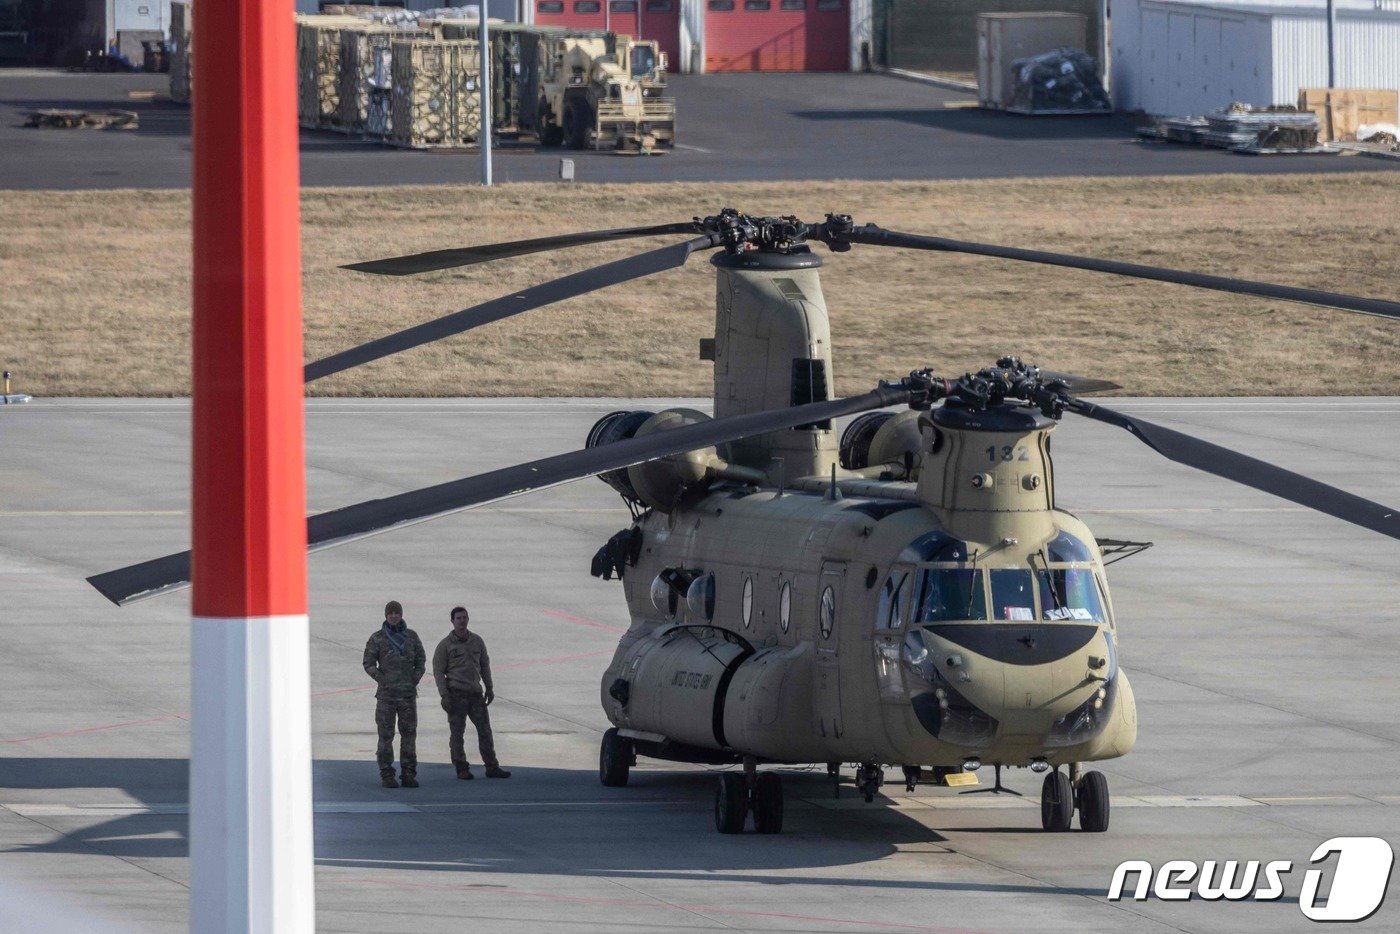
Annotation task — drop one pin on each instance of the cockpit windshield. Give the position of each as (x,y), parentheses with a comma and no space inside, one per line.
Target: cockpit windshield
(1013,595)
(950,593)
(643,61)
(1069,593)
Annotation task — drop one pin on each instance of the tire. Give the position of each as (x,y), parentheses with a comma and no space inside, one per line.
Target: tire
(768,804)
(731,803)
(549,132)
(1093,802)
(614,759)
(577,123)
(1056,803)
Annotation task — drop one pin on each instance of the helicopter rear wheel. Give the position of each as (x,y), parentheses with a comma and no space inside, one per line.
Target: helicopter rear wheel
(615,759)
(1093,802)
(768,803)
(1056,802)
(731,803)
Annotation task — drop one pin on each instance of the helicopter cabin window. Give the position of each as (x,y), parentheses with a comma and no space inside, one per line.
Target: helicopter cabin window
(894,597)
(1065,548)
(1069,593)
(785,606)
(950,593)
(935,546)
(1013,594)
(643,59)
(826,612)
(748,602)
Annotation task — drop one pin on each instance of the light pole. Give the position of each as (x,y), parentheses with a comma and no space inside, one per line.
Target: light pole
(250,745)
(484,34)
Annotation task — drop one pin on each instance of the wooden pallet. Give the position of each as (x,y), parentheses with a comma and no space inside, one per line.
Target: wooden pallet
(1341,110)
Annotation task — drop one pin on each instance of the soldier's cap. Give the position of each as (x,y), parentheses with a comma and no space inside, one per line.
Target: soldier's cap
(393,606)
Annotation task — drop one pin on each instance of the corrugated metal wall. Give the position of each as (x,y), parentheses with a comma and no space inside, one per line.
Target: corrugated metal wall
(941,35)
(1368,52)
(1181,58)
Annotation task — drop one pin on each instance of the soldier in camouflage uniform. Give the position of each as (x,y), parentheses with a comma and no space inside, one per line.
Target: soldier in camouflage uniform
(395,659)
(462,668)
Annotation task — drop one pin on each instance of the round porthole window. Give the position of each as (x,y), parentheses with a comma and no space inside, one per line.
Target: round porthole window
(748,602)
(827,612)
(785,606)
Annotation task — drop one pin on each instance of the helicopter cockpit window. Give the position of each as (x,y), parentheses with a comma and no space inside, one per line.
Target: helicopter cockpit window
(643,61)
(1069,593)
(950,593)
(935,546)
(894,597)
(1013,594)
(1065,548)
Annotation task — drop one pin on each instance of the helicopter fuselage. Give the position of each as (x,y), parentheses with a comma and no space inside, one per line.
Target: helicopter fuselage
(861,629)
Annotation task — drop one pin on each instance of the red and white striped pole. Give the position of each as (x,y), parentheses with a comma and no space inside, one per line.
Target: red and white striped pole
(250,755)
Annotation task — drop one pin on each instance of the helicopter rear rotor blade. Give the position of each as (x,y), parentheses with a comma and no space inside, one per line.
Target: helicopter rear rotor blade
(339,526)
(877,236)
(433,260)
(536,296)
(1250,471)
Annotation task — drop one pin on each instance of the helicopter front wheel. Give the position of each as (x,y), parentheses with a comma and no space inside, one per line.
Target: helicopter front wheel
(1093,802)
(1056,802)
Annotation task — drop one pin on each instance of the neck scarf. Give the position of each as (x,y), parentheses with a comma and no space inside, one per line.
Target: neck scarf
(398,641)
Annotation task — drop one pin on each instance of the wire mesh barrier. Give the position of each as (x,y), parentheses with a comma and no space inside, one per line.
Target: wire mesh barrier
(436,94)
(366,77)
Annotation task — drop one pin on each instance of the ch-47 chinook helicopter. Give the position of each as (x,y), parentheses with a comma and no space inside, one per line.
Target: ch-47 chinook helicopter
(908,595)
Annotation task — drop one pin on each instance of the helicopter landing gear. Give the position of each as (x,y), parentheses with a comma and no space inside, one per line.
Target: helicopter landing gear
(869,778)
(833,769)
(911,777)
(1056,802)
(615,758)
(737,794)
(1092,800)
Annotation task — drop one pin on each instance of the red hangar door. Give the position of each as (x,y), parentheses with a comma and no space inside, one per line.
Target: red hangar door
(777,35)
(645,19)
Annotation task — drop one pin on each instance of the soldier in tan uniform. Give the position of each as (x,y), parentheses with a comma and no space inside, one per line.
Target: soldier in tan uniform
(462,668)
(395,659)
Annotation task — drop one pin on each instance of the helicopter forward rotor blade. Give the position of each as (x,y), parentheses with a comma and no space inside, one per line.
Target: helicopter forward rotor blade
(1250,471)
(879,237)
(536,296)
(327,529)
(434,260)
(1081,384)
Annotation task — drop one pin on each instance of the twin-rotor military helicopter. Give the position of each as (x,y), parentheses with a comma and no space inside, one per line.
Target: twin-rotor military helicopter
(909,594)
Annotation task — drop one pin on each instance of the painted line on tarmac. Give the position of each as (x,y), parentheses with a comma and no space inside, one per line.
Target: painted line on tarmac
(652,903)
(580,621)
(96,729)
(89,513)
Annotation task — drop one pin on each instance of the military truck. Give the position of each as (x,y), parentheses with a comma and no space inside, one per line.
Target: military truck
(599,91)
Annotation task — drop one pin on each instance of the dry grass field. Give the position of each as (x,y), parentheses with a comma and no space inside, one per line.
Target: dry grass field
(95,297)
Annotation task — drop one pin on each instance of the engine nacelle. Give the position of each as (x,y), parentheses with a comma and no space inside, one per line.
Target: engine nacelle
(664,483)
(885,441)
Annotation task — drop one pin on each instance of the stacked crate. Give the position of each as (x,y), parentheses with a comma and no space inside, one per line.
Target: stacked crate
(436,94)
(318,68)
(366,77)
(181,37)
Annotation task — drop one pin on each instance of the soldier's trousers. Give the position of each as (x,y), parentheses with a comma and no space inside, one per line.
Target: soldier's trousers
(470,705)
(405,710)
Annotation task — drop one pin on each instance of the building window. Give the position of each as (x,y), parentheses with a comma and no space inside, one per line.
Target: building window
(551,6)
(623,6)
(588,6)
(792,4)
(757,6)
(830,4)
(660,6)
(721,6)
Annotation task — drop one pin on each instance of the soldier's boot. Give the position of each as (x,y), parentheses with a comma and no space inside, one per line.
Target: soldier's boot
(465,773)
(495,771)
(388,780)
(409,779)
